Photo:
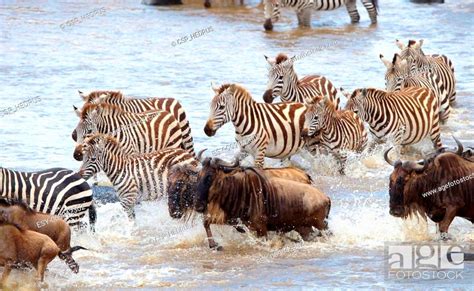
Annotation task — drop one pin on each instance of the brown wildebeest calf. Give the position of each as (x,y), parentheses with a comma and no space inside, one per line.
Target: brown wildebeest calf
(18,213)
(19,246)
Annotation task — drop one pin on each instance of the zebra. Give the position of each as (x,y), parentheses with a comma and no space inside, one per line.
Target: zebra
(399,75)
(137,133)
(339,130)
(283,81)
(55,191)
(134,177)
(439,64)
(409,114)
(137,105)
(304,8)
(262,130)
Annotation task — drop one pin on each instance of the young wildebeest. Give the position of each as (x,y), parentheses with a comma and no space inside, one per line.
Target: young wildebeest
(441,187)
(228,195)
(18,213)
(19,246)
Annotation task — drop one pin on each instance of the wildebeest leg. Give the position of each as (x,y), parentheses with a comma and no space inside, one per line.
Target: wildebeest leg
(448,218)
(239,228)
(305,232)
(207,3)
(210,239)
(41,268)
(6,272)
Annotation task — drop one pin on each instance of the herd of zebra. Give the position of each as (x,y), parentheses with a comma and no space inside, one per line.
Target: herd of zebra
(136,141)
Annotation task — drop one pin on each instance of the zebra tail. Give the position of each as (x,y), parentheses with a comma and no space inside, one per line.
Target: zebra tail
(92,216)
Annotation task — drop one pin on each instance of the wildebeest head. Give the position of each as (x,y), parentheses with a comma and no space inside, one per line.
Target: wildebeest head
(181,190)
(212,170)
(402,173)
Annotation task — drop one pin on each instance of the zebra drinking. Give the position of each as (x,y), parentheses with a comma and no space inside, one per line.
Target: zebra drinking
(274,130)
(305,7)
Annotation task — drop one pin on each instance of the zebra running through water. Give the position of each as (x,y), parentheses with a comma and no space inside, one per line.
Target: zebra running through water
(410,114)
(137,133)
(136,177)
(140,105)
(283,82)
(441,65)
(55,191)
(399,75)
(338,130)
(269,130)
(305,7)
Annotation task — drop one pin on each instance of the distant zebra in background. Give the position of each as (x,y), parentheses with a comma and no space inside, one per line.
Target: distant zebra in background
(135,178)
(283,82)
(305,7)
(399,75)
(338,130)
(140,105)
(410,114)
(262,130)
(56,191)
(441,65)
(137,133)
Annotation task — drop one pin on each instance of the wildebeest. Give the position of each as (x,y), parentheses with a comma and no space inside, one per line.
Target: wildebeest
(440,187)
(18,246)
(229,194)
(18,213)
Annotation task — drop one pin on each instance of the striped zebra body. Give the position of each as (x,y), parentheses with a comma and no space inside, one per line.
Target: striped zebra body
(438,64)
(304,8)
(409,115)
(140,105)
(284,83)
(137,133)
(54,191)
(136,177)
(399,75)
(262,130)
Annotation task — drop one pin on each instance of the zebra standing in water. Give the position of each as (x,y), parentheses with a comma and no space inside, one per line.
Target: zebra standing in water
(441,65)
(135,177)
(54,191)
(399,75)
(137,133)
(262,130)
(137,105)
(410,114)
(339,130)
(304,8)
(284,83)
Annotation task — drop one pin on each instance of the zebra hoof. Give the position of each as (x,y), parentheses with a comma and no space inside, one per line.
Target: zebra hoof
(268,25)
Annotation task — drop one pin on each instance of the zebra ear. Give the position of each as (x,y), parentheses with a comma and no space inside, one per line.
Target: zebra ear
(345,93)
(269,60)
(84,96)
(214,88)
(419,44)
(399,44)
(78,112)
(386,62)
(396,60)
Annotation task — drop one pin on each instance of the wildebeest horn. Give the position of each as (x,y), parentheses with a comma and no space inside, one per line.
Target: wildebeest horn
(420,168)
(387,159)
(199,155)
(216,162)
(460,146)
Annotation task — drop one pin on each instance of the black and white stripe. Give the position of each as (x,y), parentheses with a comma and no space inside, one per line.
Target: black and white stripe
(305,7)
(262,130)
(134,177)
(140,105)
(408,115)
(54,191)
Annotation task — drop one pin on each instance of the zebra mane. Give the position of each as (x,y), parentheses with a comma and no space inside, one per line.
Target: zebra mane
(411,42)
(96,137)
(223,87)
(96,94)
(7,202)
(281,58)
(90,106)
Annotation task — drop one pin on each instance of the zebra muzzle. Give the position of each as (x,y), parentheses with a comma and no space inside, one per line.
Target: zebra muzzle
(304,132)
(208,130)
(268,96)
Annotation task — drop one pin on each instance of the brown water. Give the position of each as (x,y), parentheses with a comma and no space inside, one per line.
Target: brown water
(131,48)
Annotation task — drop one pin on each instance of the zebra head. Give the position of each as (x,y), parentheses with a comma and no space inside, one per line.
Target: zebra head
(356,101)
(89,117)
(397,72)
(91,153)
(313,118)
(272,13)
(412,50)
(221,106)
(279,68)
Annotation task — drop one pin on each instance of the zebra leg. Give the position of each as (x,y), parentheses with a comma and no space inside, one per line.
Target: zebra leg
(352,10)
(260,155)
(435,134)
(304,17)
(371,7)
